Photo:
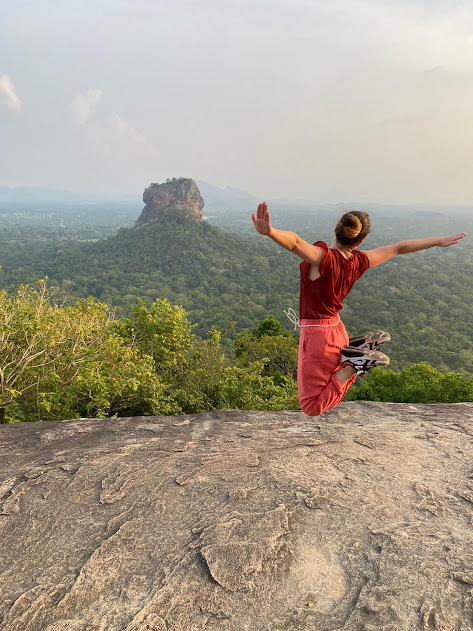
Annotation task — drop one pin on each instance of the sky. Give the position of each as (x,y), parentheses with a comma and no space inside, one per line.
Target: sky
(329,100)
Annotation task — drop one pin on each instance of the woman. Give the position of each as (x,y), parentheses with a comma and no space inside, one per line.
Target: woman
(328,361)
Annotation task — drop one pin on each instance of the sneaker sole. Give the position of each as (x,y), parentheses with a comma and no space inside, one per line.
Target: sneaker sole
(352,353)
(371,341)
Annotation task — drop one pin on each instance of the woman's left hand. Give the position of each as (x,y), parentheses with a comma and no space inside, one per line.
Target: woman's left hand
(262,220)
(447,241)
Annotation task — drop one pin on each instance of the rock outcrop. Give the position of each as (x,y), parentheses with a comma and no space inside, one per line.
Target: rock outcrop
(176,195)
(360,519)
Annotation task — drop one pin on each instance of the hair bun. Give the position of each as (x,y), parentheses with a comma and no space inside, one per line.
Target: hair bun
(351,226)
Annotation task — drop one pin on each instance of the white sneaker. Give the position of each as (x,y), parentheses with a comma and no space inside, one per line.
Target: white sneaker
(370,341)
(362,361)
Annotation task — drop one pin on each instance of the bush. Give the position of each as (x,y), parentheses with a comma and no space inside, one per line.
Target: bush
(69,362)
(66,362)
(420,383)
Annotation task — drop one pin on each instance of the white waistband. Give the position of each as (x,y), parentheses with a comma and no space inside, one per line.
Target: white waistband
(292,315)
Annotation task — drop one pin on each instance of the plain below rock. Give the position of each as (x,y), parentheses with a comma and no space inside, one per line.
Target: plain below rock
(360,519)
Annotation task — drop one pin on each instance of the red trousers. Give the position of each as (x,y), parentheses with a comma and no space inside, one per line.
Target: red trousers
(319,357)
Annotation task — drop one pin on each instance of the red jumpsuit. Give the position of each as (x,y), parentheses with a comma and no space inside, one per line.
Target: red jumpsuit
(323,334)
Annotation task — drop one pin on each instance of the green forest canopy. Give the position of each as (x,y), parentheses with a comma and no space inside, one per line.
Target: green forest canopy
(425,300)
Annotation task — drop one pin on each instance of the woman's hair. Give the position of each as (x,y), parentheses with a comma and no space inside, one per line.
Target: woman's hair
(352,228)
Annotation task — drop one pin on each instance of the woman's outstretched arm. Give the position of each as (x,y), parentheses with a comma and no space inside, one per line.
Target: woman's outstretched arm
(380,255)
(286,239)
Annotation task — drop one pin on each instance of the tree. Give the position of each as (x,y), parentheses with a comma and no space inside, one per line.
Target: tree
(163,332)
(268,326)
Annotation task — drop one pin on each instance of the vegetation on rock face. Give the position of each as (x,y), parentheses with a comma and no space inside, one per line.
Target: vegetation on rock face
(179,180)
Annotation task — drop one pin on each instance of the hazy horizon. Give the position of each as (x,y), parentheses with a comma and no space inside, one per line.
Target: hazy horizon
(348,101)
(39,195)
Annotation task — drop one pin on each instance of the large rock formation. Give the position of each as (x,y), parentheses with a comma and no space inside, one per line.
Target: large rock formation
(360,519)
(178,194)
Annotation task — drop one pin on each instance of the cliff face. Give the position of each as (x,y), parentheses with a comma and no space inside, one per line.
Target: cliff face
(176,195)
(360,519)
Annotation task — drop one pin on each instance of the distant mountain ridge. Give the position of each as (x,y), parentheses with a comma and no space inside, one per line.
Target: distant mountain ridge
(218,198)
(228,197)
(33,194)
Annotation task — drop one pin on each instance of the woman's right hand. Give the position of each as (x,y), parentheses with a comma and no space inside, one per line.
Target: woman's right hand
(447,241)
(261,219)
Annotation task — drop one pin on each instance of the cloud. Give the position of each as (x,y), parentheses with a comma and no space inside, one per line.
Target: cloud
(83,105)
(433,69)
(127,132)
(8,98)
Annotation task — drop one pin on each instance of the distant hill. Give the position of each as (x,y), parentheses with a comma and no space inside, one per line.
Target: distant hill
(217,276)
(33,194)
(226,198)
(428,214)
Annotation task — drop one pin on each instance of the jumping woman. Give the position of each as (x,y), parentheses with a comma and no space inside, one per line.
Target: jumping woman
(328,361)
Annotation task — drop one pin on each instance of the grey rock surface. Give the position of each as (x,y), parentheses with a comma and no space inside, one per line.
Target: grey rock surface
(360,519)
(179,195)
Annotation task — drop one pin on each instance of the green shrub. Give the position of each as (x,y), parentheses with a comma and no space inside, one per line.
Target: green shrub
(66,362)
(420,383)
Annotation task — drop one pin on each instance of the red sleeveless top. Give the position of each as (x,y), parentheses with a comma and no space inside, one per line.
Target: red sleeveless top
(322,298)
